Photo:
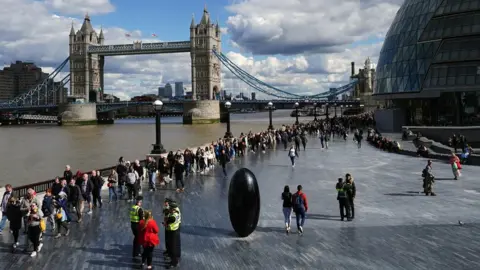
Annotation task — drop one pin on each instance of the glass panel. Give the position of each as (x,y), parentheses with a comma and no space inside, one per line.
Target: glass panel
(460,80)
(450,81)
(442,81)
(470,80)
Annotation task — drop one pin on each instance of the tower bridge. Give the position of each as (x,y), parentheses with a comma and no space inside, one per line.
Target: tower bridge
(87,52)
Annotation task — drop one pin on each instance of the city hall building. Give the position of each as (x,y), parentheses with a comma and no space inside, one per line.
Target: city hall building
(428,72)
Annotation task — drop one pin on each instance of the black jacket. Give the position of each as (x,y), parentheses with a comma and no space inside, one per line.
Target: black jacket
(68,175)
(97,183)
(75,193)
(14,215)
(179,169)
(56,188)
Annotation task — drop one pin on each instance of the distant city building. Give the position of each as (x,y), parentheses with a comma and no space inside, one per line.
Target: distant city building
(19,78)
(110,98)
(168,90)
(179,90)
(144,98)
(223,94)
(254,96)
(189,95)
(161,91)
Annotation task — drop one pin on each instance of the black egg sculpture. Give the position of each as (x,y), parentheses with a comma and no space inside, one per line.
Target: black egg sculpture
(244,202)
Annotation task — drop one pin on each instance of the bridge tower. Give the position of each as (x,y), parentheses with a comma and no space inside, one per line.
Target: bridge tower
(205,37)
(206,70)
(86,70)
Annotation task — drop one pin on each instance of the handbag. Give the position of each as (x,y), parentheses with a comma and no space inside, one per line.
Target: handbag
(43,225)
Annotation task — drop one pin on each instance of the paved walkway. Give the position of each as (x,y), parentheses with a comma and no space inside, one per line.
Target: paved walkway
(395,226)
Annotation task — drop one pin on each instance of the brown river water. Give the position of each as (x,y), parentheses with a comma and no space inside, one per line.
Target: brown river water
(32,154)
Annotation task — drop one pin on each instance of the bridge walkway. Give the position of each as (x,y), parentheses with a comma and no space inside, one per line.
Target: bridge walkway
(395,226)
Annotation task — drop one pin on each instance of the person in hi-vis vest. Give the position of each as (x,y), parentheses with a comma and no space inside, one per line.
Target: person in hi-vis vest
(136,214)
(172,234)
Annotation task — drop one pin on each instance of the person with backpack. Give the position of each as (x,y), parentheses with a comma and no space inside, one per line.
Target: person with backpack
(132,179)
(300,207)
(342,200)
(287,207)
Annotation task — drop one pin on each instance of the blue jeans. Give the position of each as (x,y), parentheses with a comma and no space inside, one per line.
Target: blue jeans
(292,159)
(3,221)
(111,192)
(300,215)
(121,189)
(151,180)
(188,167)
(287,214)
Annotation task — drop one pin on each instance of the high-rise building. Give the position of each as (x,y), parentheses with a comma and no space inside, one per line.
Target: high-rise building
(168,90)
(179,89)
(254,96)
(161,91)
(19,78)
(428,70)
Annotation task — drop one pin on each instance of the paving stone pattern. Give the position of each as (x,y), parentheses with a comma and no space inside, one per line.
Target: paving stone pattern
(396,227)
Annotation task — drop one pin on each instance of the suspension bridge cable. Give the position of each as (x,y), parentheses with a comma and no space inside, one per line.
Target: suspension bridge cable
(243,72)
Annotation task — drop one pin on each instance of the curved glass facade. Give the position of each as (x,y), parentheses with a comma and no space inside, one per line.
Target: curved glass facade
(432,46)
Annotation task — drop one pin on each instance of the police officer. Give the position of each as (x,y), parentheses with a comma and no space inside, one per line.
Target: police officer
(166,213)
(136,214)
(342,200)
(172,228)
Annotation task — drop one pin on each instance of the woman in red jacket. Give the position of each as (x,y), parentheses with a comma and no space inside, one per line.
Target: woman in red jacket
(148,237)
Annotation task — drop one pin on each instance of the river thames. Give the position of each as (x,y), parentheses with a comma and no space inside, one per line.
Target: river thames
(37,153)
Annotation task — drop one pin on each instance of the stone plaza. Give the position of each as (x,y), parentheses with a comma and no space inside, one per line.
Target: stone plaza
(395,226)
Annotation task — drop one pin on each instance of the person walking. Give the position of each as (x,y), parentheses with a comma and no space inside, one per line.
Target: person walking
(148,237)
(179,170)
(300,207)
(14,216)
(292,153)
(97,182)
(34,230)
(3,206)
(136,214)
(60,219)
(75,200)
(86,188)
(112,186)
(287,207)
(172,226)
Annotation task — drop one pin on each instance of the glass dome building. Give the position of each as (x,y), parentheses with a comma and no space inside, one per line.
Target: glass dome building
(429,64)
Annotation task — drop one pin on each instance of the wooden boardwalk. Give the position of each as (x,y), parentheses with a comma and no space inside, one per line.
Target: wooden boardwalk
(395,227)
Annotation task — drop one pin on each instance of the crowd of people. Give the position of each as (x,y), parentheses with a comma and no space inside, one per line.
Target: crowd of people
(77,194)
(386,144)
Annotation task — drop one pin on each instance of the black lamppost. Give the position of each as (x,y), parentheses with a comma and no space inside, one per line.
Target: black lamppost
(270,108)
(314,111)
(158,147)
(296,113)
(228,134)
(341,110)
(335,106)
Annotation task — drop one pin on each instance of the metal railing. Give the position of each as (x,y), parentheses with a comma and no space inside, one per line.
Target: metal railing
(40,187)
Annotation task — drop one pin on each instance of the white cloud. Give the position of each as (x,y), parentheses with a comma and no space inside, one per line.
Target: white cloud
(81,7)
(291,27)
(318,35)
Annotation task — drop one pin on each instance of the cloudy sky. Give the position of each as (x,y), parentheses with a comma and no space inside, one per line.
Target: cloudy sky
(301,46)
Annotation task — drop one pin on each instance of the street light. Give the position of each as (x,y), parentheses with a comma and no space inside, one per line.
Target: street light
(296,112)
(314,111)
(335,106)
(228,134)
(158,147)
(270,108)
(341,110)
